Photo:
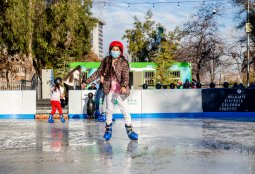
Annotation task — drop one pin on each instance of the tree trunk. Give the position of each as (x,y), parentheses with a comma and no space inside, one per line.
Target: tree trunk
(29,69)
(198,76)
(212,71)
(253,72)
(7,76)
(198,72)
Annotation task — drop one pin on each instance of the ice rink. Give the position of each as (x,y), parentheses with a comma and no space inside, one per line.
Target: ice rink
(178,146)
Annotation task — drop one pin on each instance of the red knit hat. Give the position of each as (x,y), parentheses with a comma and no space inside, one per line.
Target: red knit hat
(116,44)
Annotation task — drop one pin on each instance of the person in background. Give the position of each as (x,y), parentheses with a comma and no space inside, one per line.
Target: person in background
(186,85)
(57,93)
(193,85)
(99,99)
(235,85)
(251,85)
(179,85)
(70,81)
(92,87)
(241,86)
(114,75)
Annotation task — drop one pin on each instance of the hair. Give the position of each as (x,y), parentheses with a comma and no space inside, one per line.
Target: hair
(57,82)
(70,74)
(57,86)
(106,69)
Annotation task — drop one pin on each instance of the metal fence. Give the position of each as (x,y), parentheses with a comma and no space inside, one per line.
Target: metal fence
(10,85)
(21,85)
(34,84)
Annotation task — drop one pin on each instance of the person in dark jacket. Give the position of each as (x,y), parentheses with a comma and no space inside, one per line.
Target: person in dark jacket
(92,87)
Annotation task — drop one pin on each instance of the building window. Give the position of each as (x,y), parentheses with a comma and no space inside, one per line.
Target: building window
(175,75)
(100,31)
(100,26)
(84,75)
(100,39)
(149,77)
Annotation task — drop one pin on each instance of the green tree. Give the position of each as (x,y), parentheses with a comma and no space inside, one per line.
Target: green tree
(149,41)
(13,25)
(166,55)
(46,33)
(15,35)
(64,32)
(140,38)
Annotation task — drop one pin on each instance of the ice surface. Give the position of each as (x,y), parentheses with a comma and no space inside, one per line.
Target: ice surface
(178,146)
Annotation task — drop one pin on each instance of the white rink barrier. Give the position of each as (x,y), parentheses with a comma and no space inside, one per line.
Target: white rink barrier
(145,103)
(18,104)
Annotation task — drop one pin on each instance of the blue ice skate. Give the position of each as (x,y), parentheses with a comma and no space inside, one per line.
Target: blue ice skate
(50,119)
(97,114)
(131,134)
(113,119)
(108,132)
(102,117)
(62,118)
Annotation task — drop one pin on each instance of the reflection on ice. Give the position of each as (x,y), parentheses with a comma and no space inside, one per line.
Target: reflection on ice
(235,136)
(165,146)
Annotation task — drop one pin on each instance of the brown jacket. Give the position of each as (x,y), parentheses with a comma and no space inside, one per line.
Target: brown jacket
(106,70)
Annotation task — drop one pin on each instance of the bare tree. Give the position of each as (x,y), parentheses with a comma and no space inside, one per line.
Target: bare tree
(203,45)
(246,21)
(239,64)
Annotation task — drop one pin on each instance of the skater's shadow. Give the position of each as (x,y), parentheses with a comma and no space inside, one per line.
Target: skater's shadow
(132,146)
(107,149)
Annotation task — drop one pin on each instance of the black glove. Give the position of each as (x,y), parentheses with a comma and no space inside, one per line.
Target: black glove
(63,103)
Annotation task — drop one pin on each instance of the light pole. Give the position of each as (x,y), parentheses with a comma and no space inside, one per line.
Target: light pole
(239,64)
(248,30)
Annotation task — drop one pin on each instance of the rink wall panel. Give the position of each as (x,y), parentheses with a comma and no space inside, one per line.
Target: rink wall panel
(145,102)
(18,104)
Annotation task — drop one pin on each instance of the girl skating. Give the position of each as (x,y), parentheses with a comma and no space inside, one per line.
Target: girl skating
(115,72)
(57,93)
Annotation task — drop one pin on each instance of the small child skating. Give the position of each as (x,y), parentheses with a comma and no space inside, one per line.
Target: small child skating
(57,93)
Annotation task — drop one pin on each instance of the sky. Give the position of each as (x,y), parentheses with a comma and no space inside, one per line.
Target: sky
(118,17)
